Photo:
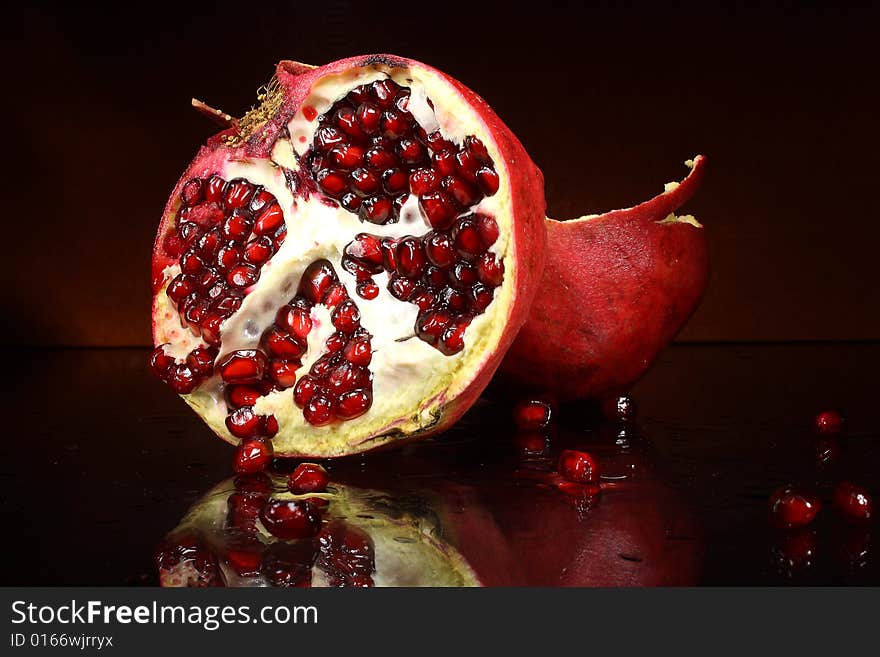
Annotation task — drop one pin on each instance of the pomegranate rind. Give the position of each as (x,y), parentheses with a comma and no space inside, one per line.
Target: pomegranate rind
(520,199)
(408,540)
(616,289)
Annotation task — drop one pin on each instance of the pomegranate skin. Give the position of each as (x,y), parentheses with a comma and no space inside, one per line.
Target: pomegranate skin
(527,238)
(616,290)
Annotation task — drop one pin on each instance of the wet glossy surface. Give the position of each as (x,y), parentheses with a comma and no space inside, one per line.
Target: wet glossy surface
(100,461)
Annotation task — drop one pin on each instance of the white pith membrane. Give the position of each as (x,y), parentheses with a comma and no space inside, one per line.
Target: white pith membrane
(412,381)
(407,541)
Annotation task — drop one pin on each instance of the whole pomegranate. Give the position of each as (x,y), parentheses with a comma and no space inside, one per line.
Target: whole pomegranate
(346,265)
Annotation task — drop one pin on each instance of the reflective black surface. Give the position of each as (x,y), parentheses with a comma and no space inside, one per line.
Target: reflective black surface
(99,461)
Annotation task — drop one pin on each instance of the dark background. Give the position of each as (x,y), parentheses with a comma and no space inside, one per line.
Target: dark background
(609,99)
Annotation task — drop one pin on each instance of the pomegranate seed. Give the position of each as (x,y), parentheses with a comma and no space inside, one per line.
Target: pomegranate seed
(245,560)
(389,253)
(327,137)
(376,210)
(443,163)
(438,209)
(334,295)
(182,379)
(466,164)
(423,181)
(380,159)
(244,422)
(192,192)
(269,426)
(430,324)
(480,298)
(347,156)
(411,151)
(214,189)
(439,249)
(283,372)
(401,287)
(487,180)
(532,414)
(487,227)
(238,193)
(237,226)
(358,351)
(269,220)
(351,202)
(346,554)
(252,456)
(318,411)
(173,245)
(210,282)
(316,279)
(243,276)
(828,422)
(467,240)
(394,124)
(453,299)
(435,277)
(620,409)
(201,361)
(240,395)
(180,288)
(289,565)
(296,321)
(437,143)
(160,362)
(308,478)
(258,251)
(336,342)
(367,116)
(452,340)
(353,404)
(279,344)
(364,182)
(191,263)
(462,275)
(410,257)
(367,290)
(490,270)
(228,256)
(463,193)
(290,519)
(332,183)
(342,378)
(854,503)
(791,509)
(346,317)
(346,120)
(260,200)
(244,505)
(211,329)
(305,389)
(394,181)
(578,467)
(209,243)
(244,366)
(384,91)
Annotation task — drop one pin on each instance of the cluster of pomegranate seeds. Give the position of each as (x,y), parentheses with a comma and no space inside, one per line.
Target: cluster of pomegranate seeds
(346,554)
(449,274)
(578,467)
(369,154)
(290,519)
(792,508)
(188,550)
(854,503)
(307,478)
(224,233)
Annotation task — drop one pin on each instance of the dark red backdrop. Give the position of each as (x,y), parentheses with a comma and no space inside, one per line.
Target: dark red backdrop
(608,101)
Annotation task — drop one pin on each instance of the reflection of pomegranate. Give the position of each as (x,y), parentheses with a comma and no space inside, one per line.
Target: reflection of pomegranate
(345,266)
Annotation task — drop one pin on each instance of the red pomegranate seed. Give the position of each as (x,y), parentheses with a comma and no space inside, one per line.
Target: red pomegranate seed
(532,414)
(192,192)
(401,287)
(296,321)
(243,276)
(191,263)
(173,245)
(305,389)
(258,251)
(283,372)
(209,243)
(268,426)
(466,163)
(343,377)
(376,209)
(366,248)
(828,422)
(238,193)
(389,253)
(246,560)
(327,137)
(260,200)
(252,456)
(367,290)
(346,317)
(214,189)
(462,275)
(240,395)
(336,342)
(380,159)
(854,503)
(443,163)
(335,294)
(439,249)
(279,344)
(228,256)
(269,220)
(791,508)
(423,181)
(393,123)
(316,280)
(488,229)
(394,181)
(333,183)
(430,325)
(160,362)
(245,504)
(410,257)
(365,182)
(244,422)
(346,120)
(463,193)
(244,366)
(480,298)
(437,143)
(367,116)
(579,467)
(211,329)
(308,478)
(487,180)
(237,226)
(201,361)
(318,411)
(411,151)
(452,339)
(467,240)
(353,404)
(490,270)
(182,379)
(290,519)
(347,156)
(358,351)
(438,209)
(453,299)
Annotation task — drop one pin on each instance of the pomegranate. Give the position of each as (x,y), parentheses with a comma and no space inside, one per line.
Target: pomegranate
(616,289)
(345,266)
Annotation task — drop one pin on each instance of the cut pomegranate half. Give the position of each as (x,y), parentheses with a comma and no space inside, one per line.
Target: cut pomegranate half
(345,266)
